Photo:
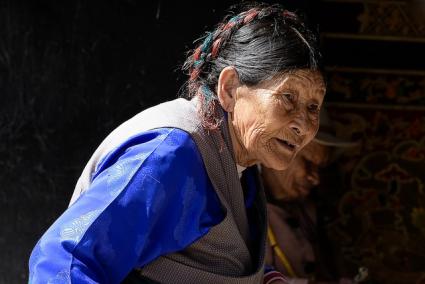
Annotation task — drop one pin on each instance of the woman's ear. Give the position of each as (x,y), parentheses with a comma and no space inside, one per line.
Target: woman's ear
(228,82)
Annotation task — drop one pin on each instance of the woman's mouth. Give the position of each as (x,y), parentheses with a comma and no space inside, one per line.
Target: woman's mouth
(291,146)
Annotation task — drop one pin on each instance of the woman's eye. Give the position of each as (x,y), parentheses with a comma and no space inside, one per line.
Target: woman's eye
(290,97)
(313,108)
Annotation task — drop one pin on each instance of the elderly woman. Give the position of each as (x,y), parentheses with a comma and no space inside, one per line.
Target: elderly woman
(161,198)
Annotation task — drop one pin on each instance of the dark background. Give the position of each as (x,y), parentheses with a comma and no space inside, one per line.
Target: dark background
(71,71)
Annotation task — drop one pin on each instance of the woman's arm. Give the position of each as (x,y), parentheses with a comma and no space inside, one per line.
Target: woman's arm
(148,198)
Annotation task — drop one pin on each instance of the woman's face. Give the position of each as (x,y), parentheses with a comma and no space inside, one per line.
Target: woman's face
(272,121)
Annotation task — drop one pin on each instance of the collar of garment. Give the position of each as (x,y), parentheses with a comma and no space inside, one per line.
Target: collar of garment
(240,170)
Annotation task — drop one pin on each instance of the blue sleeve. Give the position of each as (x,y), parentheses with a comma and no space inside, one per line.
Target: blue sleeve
(149,197)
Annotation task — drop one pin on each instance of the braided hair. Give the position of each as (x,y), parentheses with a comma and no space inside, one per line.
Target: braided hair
(260,42)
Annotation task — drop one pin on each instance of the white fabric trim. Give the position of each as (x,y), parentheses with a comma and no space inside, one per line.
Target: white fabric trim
(240,170)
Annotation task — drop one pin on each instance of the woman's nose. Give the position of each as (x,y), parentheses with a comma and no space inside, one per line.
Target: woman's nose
(300,122)
(297,126)
(313,178)
(296,129)
(301,125)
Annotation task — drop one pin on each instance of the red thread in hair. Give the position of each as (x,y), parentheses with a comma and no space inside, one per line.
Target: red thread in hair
(289,14)
(215,47)
(250,16)
(194,74)
(197,53)
(229,25)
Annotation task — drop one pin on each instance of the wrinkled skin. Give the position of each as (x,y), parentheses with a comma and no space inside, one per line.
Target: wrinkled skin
(302,175)
(272,121)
